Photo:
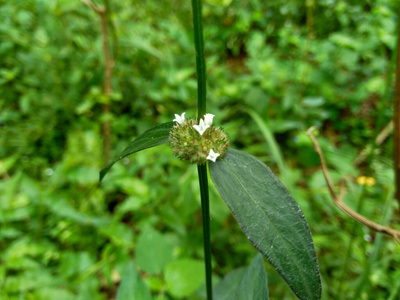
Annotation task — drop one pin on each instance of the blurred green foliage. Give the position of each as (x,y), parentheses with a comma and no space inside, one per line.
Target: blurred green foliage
(278,66)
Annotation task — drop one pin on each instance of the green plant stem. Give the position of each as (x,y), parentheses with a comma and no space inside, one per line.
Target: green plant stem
(200,60)
(205,208)
(202,169)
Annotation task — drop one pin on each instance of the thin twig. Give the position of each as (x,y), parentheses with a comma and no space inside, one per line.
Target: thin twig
(396,121)
(380,138)
(93,6)
(338,200)
(108,67)
(112,30)
(384,133)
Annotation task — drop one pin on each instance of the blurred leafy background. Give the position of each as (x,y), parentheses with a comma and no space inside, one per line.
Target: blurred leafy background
(274,69)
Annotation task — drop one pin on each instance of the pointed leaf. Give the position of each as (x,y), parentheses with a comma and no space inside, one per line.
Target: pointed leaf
(132,286)
(270,218)
(153,137)
(250,283)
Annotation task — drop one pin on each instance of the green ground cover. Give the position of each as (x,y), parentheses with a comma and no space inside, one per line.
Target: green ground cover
(274,69)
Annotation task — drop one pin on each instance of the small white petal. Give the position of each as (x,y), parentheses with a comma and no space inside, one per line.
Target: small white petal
(201,127)
(208,119)
(212,155)
(179,119)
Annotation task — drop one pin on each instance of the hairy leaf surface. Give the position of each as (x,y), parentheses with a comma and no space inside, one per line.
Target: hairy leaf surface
(270,218)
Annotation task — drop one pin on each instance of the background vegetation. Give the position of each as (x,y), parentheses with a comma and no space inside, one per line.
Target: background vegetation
(274,69)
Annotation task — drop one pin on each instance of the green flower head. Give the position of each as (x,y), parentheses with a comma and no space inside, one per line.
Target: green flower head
(197,143)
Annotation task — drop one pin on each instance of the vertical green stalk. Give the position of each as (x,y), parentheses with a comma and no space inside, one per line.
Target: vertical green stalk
(203,180)
(200,60)
(202,169)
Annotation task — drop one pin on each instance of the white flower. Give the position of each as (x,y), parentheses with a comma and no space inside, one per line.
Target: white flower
(179,119)
(208,119)
(201,127)
(212,155)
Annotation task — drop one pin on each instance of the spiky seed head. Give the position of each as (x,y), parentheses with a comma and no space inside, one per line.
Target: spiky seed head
(187,144)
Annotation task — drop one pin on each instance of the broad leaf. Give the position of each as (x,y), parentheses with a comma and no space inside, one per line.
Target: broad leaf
(250,283)
(226,288)
(153,251)
(153,137)
(132,286)
(184,276)
(270,218)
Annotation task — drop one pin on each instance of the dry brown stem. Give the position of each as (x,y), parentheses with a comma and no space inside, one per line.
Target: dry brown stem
(396,121)
(93,6)
(338,200)
(108,66)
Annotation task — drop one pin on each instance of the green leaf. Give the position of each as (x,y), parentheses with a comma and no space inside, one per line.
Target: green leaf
(184,276)
(269,137)
(153,137)
(153,251)
(132,286)
(119,233)
(250,283)
(226,288)
(50,293)
(270,218)
(254,283)
(61,207)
